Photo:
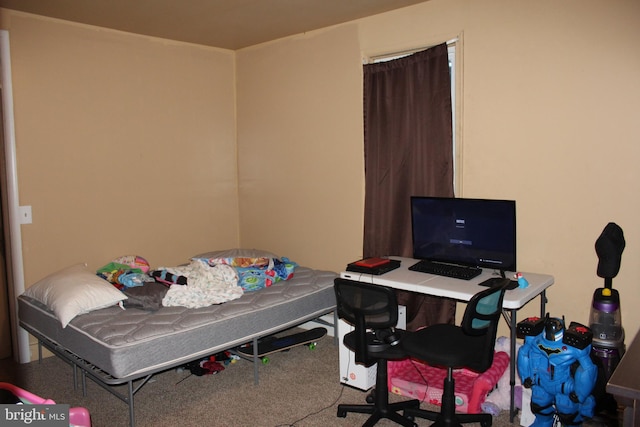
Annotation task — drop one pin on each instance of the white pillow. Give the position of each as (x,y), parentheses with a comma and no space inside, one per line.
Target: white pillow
(74,290)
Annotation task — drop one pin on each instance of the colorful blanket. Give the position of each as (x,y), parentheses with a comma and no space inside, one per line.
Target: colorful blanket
(204,281)
(256,273)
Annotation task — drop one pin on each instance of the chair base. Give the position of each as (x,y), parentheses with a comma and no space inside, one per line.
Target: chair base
(390,412)
(380,406)
(447,417)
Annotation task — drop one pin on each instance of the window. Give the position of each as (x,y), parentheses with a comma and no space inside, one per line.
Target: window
(452,72)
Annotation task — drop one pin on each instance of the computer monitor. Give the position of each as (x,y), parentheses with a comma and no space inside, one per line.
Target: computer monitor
(472,232)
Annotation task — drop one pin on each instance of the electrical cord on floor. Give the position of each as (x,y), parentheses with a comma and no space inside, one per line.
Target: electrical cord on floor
(316,412)
(426,382)
(322,409)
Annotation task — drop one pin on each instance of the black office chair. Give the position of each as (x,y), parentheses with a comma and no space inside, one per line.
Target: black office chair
(373,311)
(470,345)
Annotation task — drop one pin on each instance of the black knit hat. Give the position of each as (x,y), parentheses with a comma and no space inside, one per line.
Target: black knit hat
(609,247)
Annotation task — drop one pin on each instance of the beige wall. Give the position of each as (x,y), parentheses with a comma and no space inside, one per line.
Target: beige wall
(125,145)
(549,117)
(300,142)
(128,144)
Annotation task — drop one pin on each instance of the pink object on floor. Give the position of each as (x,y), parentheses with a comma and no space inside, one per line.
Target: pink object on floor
(415,379)
(78,416)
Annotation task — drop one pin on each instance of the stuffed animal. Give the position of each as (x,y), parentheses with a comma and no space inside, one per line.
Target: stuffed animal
(500,398)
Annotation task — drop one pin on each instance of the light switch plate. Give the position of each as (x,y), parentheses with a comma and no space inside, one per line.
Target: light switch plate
(25,215)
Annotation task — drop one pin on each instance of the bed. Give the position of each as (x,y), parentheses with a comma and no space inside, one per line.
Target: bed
(115,346)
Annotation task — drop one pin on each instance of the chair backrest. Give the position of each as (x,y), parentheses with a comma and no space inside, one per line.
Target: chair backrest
(365,306)
(481,319)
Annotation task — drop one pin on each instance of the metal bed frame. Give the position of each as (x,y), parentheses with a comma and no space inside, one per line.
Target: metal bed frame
(135,382)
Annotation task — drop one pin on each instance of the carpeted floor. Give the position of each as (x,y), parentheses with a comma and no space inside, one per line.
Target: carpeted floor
(299,387)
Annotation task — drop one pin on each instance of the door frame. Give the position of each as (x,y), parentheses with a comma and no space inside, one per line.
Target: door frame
(19,337)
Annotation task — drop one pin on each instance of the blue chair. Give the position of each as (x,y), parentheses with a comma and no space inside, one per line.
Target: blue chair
(470,345)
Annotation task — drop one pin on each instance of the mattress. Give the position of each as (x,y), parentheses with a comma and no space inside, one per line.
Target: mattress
(131,343)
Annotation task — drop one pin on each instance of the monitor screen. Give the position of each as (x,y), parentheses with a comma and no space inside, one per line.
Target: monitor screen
(473,232)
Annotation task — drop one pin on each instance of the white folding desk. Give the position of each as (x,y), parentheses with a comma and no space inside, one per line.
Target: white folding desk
(462,290)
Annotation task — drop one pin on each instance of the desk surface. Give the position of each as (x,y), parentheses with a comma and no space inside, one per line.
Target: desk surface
(625,380)
(463,290)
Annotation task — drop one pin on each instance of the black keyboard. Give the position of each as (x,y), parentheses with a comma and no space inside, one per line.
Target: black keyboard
(447,270)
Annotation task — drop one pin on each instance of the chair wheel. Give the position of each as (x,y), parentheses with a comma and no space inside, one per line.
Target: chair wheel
(371,397)
(342,413)
(485,423)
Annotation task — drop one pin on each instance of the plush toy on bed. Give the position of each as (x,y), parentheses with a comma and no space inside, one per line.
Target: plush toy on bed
(126,271)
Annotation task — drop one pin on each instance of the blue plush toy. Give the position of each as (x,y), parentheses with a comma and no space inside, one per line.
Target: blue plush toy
(522,282)
(556,364)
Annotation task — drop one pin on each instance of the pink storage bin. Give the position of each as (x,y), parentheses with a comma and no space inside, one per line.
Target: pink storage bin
(78,416)
(418,380)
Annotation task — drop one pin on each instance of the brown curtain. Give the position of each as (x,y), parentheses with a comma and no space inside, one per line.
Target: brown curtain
(408,151)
